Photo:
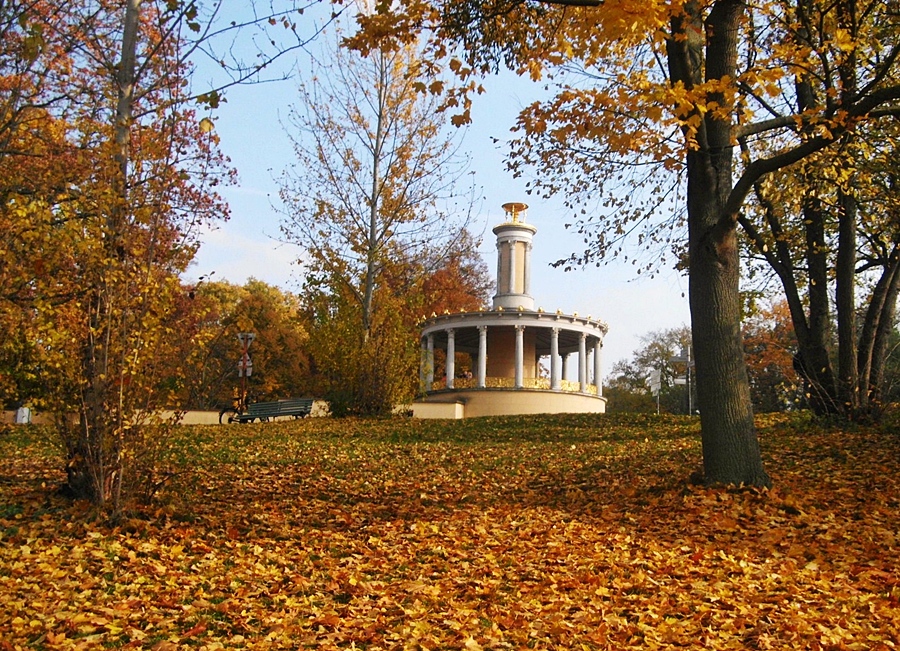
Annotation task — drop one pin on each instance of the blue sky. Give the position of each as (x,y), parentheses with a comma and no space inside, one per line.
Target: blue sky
(249,124)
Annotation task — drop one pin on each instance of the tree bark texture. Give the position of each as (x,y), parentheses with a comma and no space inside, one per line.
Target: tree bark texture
(814,359)
(731,453)
(845,289)
(877,330)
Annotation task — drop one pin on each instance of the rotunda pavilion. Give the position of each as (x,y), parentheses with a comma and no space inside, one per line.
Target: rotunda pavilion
(520,358)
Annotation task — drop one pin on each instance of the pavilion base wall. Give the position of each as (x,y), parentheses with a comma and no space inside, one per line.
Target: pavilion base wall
(454,410)
(473,403)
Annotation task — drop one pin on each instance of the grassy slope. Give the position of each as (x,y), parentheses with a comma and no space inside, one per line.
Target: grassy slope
(522,532)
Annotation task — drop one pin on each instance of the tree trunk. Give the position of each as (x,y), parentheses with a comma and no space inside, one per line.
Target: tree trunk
(731,452)
(376,199)
(95,462)
(852,401)
(813,362)
(814,359)
(884,305)
(845,305)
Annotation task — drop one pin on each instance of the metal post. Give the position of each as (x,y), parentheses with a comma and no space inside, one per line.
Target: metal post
(245,366)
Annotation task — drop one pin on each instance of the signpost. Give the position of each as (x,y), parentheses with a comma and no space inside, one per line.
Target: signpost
(685,358)
(245,365)
(655,386)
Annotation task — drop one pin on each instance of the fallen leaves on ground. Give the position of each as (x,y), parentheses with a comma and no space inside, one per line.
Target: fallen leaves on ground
(566,532)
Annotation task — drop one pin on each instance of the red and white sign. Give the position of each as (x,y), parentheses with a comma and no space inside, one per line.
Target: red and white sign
(245,366)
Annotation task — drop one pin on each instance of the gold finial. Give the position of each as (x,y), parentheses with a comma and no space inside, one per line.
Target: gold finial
(514,209)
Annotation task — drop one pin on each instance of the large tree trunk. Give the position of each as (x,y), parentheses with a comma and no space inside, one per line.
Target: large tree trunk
(731,452)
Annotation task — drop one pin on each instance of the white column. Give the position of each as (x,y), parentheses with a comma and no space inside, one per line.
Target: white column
(423,365)
(582,362)
(565,367)
(527,270)
(499,267)
(450,364)
(429,363)
(482,356)
(520,355)
(598,367)
(512,266)
(554,359)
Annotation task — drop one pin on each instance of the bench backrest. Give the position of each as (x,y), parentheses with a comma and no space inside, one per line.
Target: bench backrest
(296,403)
(264,408)
(287,407)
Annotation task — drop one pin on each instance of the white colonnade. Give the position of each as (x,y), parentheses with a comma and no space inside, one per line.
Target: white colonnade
(564,337)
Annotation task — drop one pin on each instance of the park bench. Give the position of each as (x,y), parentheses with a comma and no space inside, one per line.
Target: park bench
(296,407)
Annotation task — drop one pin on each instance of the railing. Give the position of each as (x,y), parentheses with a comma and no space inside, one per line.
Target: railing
(540,383)
(575,387)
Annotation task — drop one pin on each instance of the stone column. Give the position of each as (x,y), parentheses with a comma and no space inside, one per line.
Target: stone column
(500,245)
(554,359)
(450,364)
(482,356)
(582,362)
(423,365)
(520,355)
(512,267)
(565,367)
(598,366)
(429,363)
(527,271)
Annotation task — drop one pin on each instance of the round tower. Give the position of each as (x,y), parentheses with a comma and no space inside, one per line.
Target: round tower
(513,359)
(514,239)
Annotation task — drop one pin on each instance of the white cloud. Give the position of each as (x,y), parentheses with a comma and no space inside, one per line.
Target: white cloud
(235,255)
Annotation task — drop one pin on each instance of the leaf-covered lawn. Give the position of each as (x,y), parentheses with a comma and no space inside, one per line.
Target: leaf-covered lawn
(541,532)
